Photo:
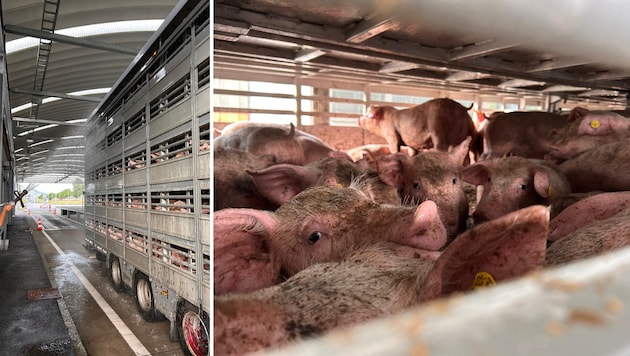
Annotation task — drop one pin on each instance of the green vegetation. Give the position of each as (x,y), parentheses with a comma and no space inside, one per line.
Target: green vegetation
(72,196)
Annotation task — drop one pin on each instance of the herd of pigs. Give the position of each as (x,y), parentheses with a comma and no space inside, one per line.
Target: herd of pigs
(308,238)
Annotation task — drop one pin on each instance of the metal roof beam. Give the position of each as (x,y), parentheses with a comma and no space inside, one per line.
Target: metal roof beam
(465,75)
(38,121)
(518,83)
(565,62)
(608,75)
(18,30)
(370,28)
(480,50)
(43,93)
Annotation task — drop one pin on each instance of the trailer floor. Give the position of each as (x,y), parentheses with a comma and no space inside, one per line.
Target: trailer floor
(31,317)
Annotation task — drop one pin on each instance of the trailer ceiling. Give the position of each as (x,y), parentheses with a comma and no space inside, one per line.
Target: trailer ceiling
(565,52)
(48,137)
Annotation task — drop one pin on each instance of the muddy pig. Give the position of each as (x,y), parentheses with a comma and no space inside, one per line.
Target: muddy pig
(437,123)
(520,133)
(591,240)
(288,144)
(587,130)
(431,175)
(512,183)
(233,187)
(254,248)
(605,168)
(281,182)
(377,281)
(585,211)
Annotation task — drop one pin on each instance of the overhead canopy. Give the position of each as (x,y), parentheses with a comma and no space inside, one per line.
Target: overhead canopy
(58,77)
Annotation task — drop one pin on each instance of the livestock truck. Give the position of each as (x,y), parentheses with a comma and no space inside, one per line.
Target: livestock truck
(147,177)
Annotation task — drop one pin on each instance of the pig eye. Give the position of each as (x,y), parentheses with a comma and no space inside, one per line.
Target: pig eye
(416,185)
(454,180)
(522,186)
(314,237)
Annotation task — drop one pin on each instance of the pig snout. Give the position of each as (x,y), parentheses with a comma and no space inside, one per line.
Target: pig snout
(427,231)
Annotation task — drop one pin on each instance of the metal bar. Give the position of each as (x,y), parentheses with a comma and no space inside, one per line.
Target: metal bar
(18,30)
(557,311)
(39,121)
(55,95)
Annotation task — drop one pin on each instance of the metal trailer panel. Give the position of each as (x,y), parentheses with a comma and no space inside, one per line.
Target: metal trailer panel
(136,217)
(115,214)
(114,182)
(204,232)
(172,170)
(136,102)
(137,259)
(174,116)
(115,247)
(184,285)
(576,309)
(203,100)
(203,165)
(203,47)
(178,224)
(135,138)
(100,211)
(177,67)
(136,177)
(99,239)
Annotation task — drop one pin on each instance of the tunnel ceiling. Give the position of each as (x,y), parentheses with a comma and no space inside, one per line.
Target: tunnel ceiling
(57,83)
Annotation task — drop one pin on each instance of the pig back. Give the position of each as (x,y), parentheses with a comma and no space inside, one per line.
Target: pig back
(443,121)
(285,142)
(605,168)
(520,133)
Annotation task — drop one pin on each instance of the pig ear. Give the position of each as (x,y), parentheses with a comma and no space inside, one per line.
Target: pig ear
(497,250)
(548,182)
(458,153)
(477,174)
(281,182)
(243,260)
(577,113)
(390,168)
(375,112)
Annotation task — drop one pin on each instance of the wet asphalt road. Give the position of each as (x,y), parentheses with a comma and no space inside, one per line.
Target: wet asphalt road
(96,330)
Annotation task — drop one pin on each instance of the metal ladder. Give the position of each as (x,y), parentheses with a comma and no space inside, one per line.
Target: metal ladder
(49,21)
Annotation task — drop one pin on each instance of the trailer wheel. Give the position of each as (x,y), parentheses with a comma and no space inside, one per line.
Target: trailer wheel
(144,299)
(116,274)
(193,329)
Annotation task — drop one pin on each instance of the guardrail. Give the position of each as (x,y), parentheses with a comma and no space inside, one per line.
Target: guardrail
(73,213)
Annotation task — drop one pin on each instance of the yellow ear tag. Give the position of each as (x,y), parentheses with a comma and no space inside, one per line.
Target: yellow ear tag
(339,185)
(482,280)
(594,124)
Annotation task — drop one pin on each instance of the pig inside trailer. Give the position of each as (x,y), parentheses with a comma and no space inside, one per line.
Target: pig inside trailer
(561,309)
(147,198)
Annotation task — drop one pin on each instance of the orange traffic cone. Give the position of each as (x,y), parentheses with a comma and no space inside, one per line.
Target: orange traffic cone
(39,224)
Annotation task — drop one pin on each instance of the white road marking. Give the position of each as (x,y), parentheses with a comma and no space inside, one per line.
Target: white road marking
(120,325)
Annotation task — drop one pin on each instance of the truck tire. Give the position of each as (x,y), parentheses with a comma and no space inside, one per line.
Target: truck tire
(193,329)
(116,275)
(144,299)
